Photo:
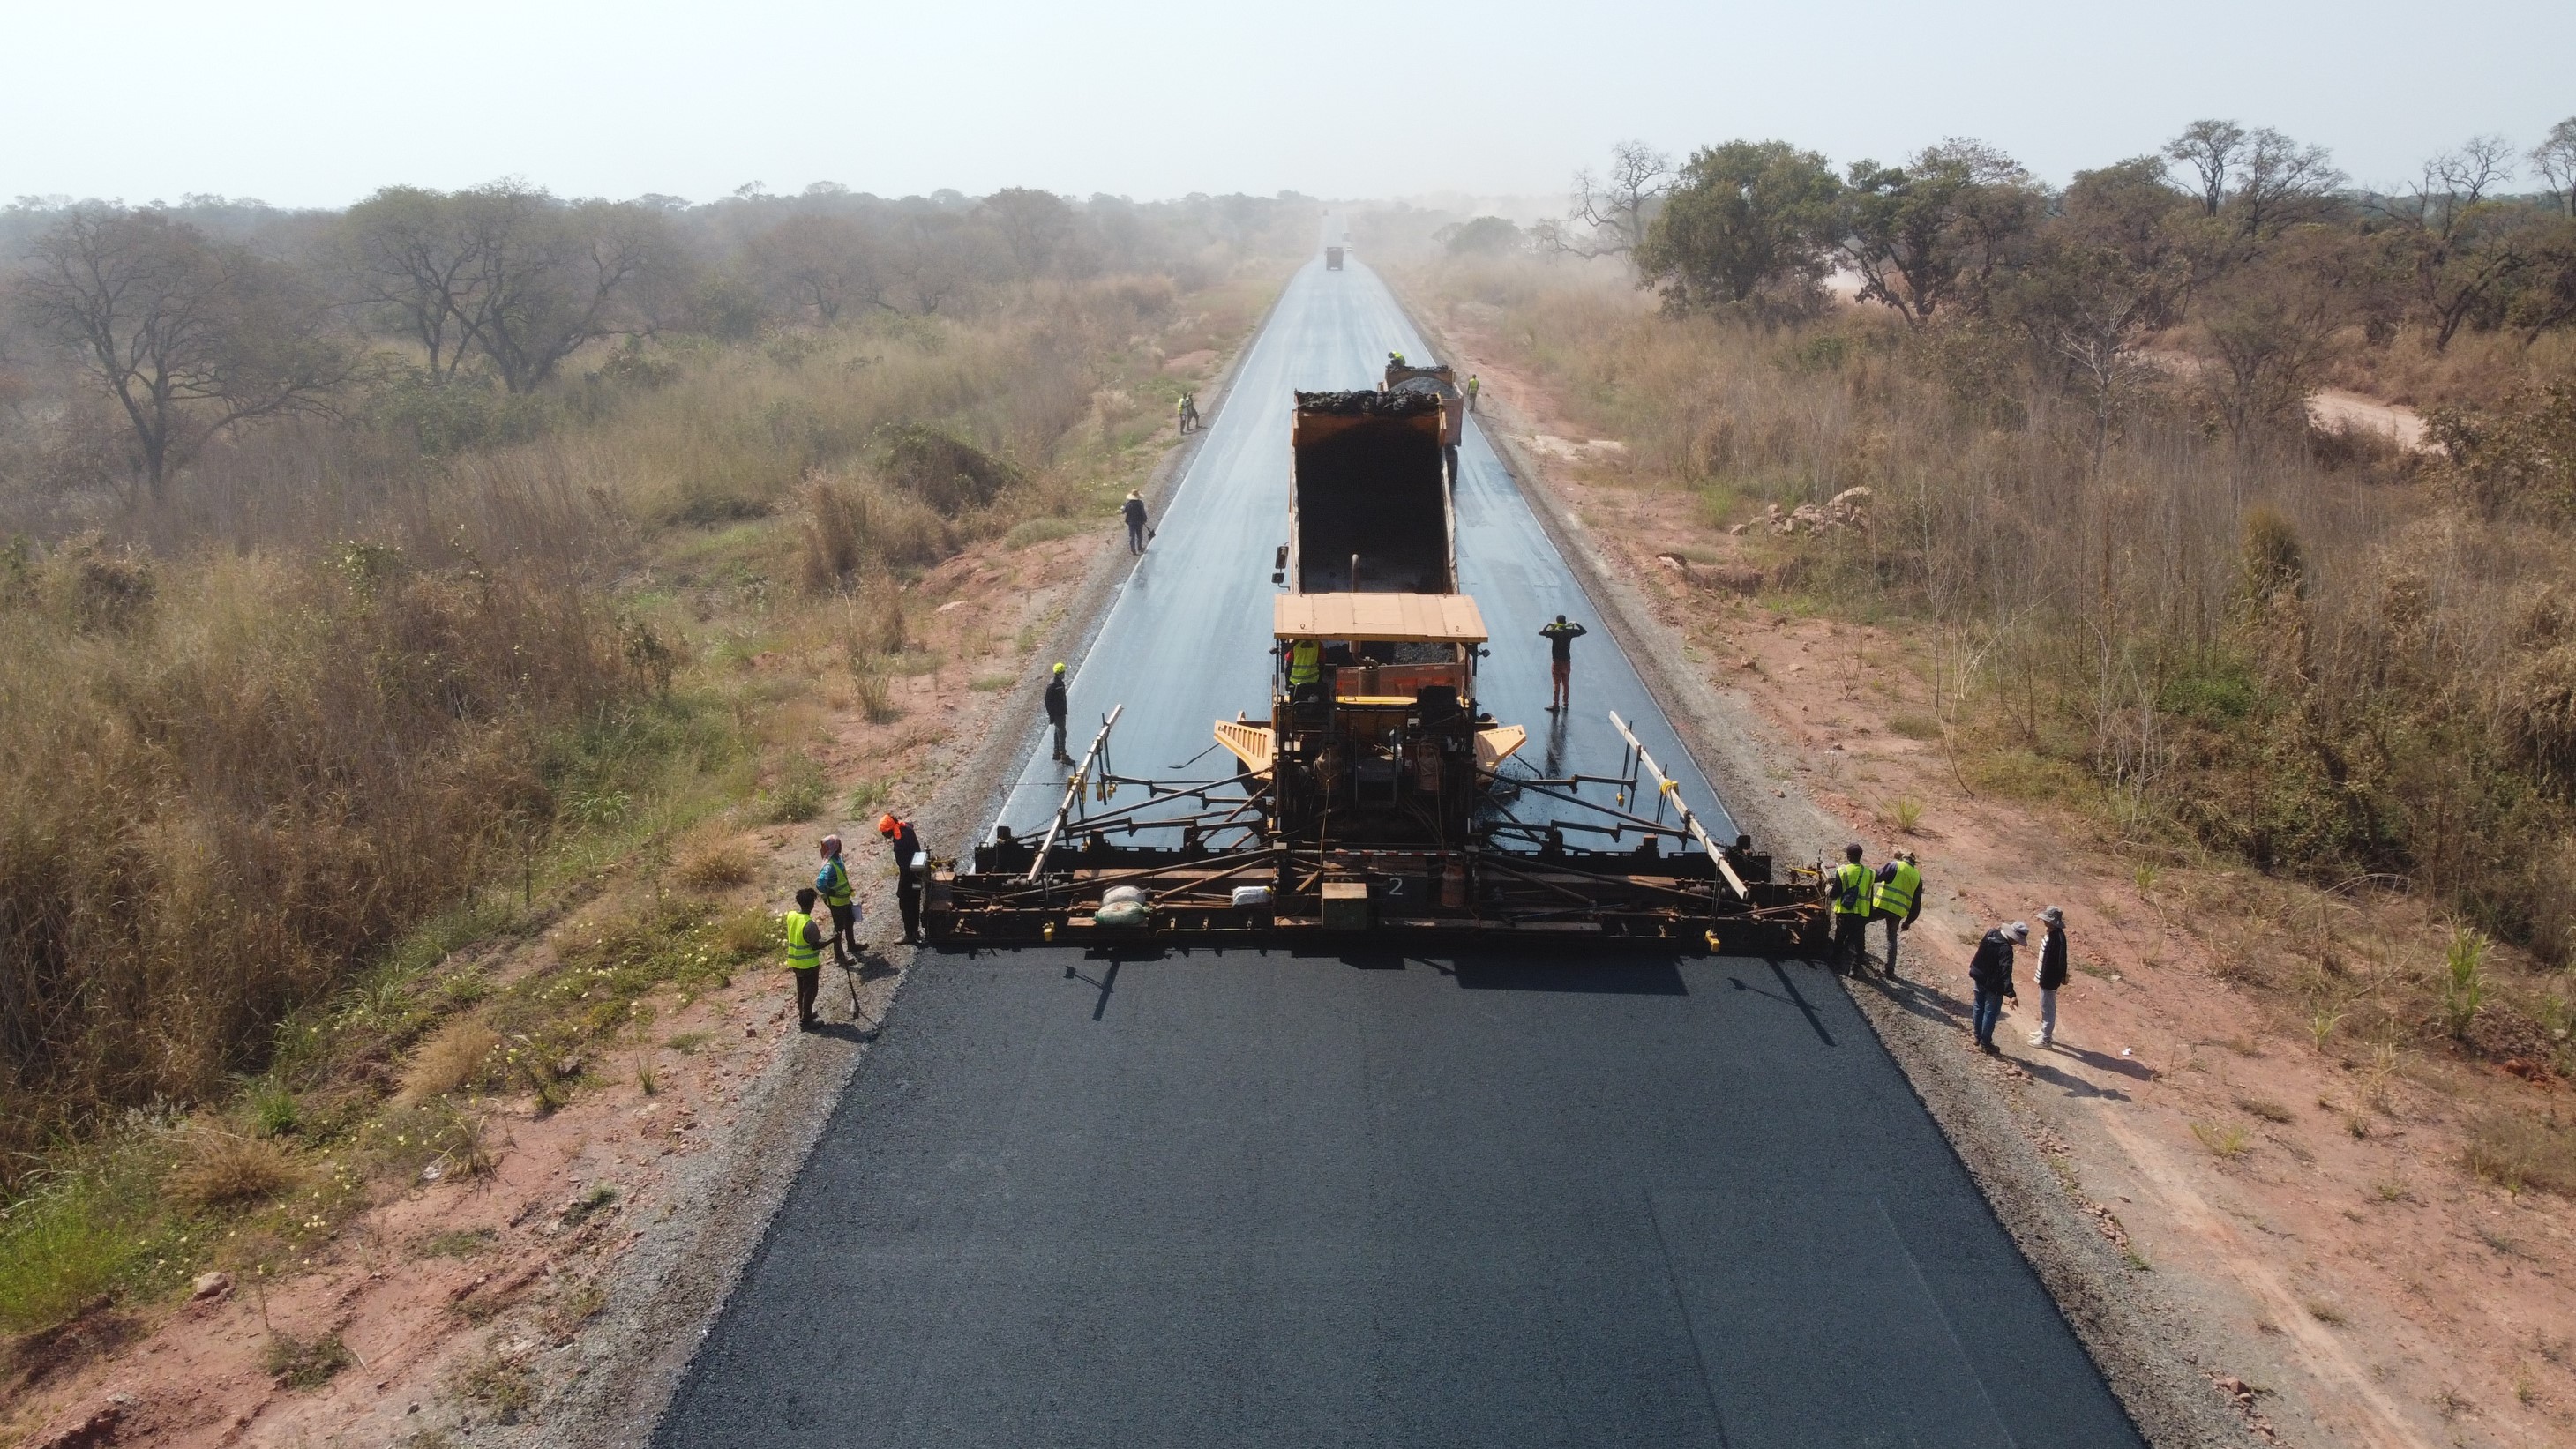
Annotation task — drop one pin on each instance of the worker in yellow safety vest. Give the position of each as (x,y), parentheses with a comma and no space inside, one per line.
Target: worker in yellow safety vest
(1855,890)
(804,941)
(1899,900)
(832,882)
(1472,385)
(1305,663)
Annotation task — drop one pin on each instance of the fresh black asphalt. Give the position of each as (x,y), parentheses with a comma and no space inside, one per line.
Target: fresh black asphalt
(1212,1198)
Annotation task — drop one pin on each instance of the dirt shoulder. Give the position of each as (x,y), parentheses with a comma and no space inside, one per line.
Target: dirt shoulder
(2258,1239)
(553,1290)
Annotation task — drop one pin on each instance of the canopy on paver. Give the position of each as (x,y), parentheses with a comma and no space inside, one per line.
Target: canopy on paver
(1388,618)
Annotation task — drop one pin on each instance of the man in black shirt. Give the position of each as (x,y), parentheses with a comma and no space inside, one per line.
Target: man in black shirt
(1055,708)
(1560,637)
(907,884)
(1134,512)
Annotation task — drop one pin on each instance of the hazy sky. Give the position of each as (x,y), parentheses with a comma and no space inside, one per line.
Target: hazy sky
(304,103)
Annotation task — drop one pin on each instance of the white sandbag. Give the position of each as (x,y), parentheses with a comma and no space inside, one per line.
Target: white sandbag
(1252,897)
(1115,894)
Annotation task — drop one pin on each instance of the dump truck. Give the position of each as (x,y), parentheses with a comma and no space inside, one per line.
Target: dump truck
(1375,797)
(1332,259)
(1369,509)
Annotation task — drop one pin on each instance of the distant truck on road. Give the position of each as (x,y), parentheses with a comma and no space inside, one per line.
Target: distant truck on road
(1332,259)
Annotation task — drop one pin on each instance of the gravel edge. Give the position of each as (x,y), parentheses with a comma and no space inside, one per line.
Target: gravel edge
(669,1287)
(2136,1338)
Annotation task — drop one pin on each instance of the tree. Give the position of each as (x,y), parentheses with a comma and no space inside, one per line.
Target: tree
(1036,226)
(2457,240)
(503,271)
(1744,218)
(1937,229)
(548,278)
(2281,185)
(2555,156)
(820,262)
(1485,236)
(2267,330)
(409,255)
(187,338)
(1611,212)
(2208,150)
(2108,272)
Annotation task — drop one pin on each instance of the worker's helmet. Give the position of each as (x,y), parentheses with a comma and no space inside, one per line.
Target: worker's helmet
(887,824)
(831,845)
(1059,666)
(1853,850)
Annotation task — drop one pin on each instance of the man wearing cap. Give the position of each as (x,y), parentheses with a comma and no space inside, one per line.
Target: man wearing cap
(1898,901)
(1133,510)
(907,880)
(1055,708)
(1990,971)
(2052,973)
(1853,889)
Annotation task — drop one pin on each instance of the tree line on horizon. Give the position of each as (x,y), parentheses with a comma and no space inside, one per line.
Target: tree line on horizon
(131,337)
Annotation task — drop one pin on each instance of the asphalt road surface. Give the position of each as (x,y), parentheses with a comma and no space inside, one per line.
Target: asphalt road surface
(1488,1200)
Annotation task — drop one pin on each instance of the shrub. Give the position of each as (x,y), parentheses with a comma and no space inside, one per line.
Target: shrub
(454,1056)
(296,1364)
(1039,530)
(224,1170)
(715,865)
(949,475)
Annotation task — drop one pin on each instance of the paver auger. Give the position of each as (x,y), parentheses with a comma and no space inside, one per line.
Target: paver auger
(1377,800)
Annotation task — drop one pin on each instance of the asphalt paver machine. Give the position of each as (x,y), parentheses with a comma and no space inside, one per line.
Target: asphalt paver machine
(1375,798)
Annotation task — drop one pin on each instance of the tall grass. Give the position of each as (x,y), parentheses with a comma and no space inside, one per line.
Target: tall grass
(249,781)
(256,737)
(2300,654)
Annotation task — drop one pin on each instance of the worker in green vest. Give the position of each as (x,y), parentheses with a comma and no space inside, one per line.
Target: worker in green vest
(1305,665)
(1472,385)
(1899,900)
(832,882)
(1855,889)
(804,941)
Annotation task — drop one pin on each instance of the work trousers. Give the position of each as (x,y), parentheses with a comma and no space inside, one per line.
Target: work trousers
(1851,940)
(1895,924)
(908,896)
(845,938)
(1135,538)
(2047,1015)
(809,979)
(1988,1010)
(1059,741)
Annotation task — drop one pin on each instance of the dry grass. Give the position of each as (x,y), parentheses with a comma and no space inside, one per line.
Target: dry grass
(219,1169)
(453,1056)
(2520,1153)
(2308,659)
(715,864)
(2224,1142)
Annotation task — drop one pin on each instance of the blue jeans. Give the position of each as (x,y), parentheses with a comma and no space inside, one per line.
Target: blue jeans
(1989,1009)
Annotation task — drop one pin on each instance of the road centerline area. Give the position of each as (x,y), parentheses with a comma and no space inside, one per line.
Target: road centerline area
(1215,1196)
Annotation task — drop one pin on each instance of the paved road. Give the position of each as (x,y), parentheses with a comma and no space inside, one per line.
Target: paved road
(1244,1198)
(1186,642)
